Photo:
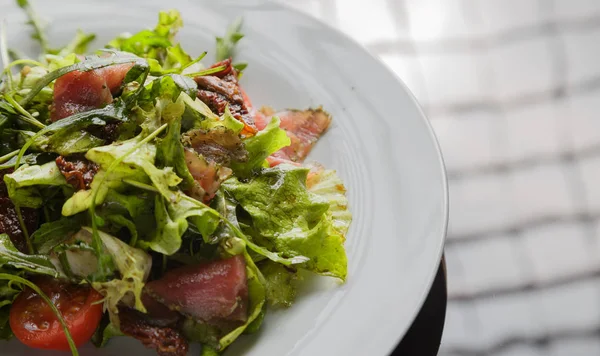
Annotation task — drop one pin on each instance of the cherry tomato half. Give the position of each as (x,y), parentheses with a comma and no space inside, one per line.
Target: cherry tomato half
(34,324)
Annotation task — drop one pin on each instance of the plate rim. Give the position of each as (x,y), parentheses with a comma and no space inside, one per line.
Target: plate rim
(423,117)
(441,166)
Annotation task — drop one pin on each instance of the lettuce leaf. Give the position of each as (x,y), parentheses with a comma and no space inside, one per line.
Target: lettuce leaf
(171,154)
(287,218)
(26,186)
(151,43)
(133,266)
(262,145)
(330,187)
(172,216)
(52,234)
(280,283)
(11,257)
(105,156)
(157,45)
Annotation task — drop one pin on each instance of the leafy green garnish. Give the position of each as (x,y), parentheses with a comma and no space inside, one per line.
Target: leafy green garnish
(280,283)
(10,256)
(36,24)
(52,234)
(78,44)
(256,293)
(133,266)
(330,187)
(26,186)
(226,45)
(287,218)
(262,145)
(90,63)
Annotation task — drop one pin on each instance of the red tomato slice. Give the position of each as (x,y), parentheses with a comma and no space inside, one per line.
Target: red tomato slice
(34,324)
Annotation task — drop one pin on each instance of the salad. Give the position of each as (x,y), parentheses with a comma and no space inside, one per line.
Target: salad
(144,195)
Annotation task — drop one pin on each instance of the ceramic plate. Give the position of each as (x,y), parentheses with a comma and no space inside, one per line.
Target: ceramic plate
(380,143)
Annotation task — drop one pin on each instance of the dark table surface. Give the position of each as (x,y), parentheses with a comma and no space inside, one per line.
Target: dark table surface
(424,336)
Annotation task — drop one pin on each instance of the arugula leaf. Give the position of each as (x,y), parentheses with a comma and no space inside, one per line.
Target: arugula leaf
(91,63)
(260,146)
(25,184)
(38,264)
(66,142)
(30,159)
(78,45)
(52,234)
(36,24)
(226,45)
(289,219)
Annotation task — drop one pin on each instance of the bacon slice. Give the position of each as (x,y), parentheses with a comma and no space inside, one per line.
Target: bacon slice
(79,172)
(304,128)
(222,89)
(9,221)
(218,145)
(166,341)
(212,291)
(79,91)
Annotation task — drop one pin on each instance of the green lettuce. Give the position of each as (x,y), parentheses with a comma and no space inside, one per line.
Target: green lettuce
(27,185)
(52,234)
(172,216)
(129,168)
(287,218)
(262,145)
(280,283)
(199,116)
(157,45)
(133,266)
(225,46)
(11,257)
(171,154)
(132,211)
(330,187)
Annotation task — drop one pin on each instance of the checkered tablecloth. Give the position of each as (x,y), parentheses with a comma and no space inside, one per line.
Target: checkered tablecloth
(512,88)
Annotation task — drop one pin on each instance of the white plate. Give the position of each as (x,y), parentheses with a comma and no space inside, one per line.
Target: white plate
(380,143)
